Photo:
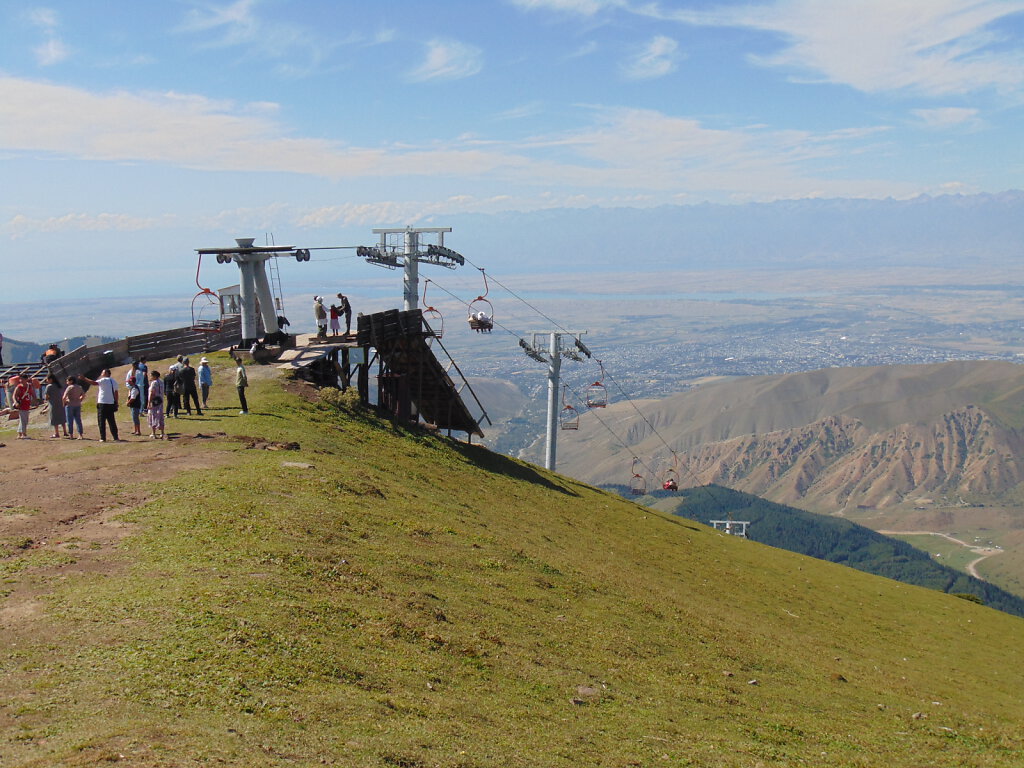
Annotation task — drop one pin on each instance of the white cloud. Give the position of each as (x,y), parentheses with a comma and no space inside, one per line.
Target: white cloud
(195,132)
(52,51)
(644,149)
(296,50)
(933,47)
(521,111)
(20,225)
(448,60)
(580,7)
(44,18)
(584,50)
(622,151)
(946,117)
(236,22)
(657,58)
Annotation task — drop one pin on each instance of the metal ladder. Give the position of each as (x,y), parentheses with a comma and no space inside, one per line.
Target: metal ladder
(275,279)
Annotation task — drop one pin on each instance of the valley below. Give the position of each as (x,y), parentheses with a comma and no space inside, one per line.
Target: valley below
(891,398)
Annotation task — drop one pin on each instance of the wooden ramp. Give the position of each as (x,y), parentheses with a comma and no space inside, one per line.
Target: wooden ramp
(412,376)
(309,348)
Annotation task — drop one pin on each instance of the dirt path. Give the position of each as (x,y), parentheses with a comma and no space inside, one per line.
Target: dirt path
(971,567)
(59,500)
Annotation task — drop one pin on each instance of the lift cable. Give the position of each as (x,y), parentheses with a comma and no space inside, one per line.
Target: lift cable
(622,443)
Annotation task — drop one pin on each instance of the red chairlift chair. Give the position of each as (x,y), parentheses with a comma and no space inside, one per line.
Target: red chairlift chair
(671,482)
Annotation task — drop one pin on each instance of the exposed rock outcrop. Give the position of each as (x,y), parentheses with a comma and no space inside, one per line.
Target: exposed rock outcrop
(838,463)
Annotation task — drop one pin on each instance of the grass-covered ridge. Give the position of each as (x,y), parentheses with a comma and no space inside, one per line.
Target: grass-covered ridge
(834,539)
(407,601)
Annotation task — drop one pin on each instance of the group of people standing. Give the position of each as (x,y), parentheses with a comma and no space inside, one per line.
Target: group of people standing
(343,308)
(148,394)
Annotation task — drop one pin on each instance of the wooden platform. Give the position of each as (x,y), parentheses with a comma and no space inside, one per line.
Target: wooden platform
(309,348)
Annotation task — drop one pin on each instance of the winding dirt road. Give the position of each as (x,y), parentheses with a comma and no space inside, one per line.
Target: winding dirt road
(971,567)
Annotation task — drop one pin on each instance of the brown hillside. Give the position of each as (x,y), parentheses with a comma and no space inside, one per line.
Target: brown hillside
(830,440)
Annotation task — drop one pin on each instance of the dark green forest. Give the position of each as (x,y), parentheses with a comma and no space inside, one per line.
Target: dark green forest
(829,538)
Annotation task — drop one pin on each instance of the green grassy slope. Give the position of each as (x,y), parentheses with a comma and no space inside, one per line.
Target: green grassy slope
(409,602)
(833,539)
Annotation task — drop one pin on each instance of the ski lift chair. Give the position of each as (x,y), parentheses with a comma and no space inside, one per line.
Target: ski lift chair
(207,312)
(481,311)
(432,318)
(671,482)
(637,483)
(569,418)
(597,393)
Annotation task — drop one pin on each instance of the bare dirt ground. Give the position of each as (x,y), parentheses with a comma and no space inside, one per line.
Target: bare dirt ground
(62,496)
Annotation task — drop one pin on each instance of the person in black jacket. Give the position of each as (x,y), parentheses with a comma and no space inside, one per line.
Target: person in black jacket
(187,376)
(345,308)
(172,398)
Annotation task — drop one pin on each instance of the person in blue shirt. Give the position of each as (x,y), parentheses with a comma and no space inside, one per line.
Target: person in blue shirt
(205,379)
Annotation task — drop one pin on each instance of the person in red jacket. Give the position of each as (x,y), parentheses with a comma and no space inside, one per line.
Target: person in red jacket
(21,401)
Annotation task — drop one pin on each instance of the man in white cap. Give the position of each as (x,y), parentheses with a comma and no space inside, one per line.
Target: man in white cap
(320,315)
(205,379)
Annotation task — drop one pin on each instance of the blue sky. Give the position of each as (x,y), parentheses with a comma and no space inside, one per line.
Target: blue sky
(133,132)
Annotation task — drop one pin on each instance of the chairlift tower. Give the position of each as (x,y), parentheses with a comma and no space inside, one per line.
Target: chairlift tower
(254,286)
(405,248)
(732,527)
(553,357)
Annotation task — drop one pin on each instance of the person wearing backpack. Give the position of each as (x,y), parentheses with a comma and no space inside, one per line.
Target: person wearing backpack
(172,396)
(345,308)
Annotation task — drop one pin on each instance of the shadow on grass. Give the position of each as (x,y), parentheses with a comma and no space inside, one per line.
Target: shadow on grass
(499,464)
(475,454)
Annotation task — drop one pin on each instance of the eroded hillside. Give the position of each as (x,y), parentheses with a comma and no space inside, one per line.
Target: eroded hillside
(839,463)
(834,440)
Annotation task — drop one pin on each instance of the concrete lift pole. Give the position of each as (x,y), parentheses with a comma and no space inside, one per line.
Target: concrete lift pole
(254,285)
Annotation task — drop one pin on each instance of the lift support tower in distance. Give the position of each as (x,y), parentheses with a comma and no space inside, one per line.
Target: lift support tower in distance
(553,357)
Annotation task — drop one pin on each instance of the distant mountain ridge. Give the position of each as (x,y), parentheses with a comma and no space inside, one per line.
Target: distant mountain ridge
(839,438)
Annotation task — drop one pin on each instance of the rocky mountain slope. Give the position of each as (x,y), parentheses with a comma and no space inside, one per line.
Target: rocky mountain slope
(833,440)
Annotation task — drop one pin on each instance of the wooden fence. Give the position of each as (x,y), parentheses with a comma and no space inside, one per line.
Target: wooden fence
(89,361)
